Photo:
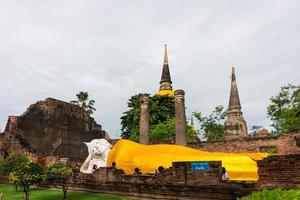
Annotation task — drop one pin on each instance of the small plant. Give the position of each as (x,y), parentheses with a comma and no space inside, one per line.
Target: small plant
(59,174)
(26,173)
(277,194)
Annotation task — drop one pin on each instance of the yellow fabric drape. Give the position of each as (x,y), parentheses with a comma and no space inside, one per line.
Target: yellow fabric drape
(128,155)
(165,92)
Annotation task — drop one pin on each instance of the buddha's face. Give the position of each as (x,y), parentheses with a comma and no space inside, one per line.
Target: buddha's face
(98,147)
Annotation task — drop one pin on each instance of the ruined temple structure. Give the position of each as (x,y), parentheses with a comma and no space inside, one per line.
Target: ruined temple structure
(51,128)
(165,82)
(235,126)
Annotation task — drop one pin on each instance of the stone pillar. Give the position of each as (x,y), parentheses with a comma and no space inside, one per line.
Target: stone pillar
(144,120)
(180,118)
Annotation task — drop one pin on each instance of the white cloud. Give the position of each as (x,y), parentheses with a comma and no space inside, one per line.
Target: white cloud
(113,49)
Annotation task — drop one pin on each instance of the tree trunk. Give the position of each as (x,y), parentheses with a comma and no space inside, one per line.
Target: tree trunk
(65,192)
(26,192)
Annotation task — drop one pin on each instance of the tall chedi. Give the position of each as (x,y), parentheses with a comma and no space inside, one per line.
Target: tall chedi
(235,126)
(165,82)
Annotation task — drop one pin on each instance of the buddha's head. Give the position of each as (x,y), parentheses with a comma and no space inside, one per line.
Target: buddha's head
(98,150)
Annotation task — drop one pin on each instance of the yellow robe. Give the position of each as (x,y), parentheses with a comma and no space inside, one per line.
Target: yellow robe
(128,155)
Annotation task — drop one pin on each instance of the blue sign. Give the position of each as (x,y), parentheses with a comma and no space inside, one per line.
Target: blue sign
(200,166)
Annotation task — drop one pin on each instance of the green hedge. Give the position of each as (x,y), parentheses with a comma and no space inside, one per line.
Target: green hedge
(277,194)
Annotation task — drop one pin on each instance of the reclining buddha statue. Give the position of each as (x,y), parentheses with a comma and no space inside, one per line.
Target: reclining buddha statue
(128,155)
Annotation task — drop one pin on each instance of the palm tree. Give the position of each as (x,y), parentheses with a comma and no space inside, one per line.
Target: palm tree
(84,102)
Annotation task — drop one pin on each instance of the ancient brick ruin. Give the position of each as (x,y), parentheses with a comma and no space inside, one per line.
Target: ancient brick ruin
(51,128)
(287,143)
(182,182)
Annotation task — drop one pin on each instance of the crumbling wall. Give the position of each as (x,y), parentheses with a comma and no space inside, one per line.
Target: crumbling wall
(182,182)
(178,182)
(52,128)
(284,144)
(279,171)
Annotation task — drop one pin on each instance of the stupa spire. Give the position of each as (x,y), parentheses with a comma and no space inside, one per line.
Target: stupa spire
(165,75)
(165,81)
(235,126)
(166,62)
(234,99)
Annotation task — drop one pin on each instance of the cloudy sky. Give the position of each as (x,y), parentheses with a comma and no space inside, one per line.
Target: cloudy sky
(114,49)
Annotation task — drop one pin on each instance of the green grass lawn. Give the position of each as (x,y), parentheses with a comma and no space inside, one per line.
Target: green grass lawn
(51,194)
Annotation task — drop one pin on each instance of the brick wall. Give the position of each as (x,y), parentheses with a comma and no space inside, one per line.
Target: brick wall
(279,171)
(284,144)
(181,182)
(178,182)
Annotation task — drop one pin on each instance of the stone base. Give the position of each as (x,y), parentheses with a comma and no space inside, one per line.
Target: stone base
(235,128)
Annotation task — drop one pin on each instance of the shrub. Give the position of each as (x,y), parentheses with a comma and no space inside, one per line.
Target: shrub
(26,173)
(6,166)
(59,174)
(277,194)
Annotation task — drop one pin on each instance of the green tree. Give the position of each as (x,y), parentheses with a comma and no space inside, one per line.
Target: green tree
(84,102)
(167,130)
(26,173)
(162,108)
(284,110)
(212,127)
(59,174)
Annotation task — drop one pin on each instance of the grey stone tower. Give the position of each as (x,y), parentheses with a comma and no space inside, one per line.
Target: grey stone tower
(235,125)
(181,135)
(144,120)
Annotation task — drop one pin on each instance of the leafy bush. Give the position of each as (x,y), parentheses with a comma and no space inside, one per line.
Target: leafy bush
(134,137)
(165,131)
(59,174)
(26,173)
(6,166)
(277,194)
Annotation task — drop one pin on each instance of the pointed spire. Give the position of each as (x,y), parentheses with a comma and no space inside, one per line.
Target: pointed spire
(233,78)
(165,76)
(165,87)
(235,126)
(234,100)
(166,62)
